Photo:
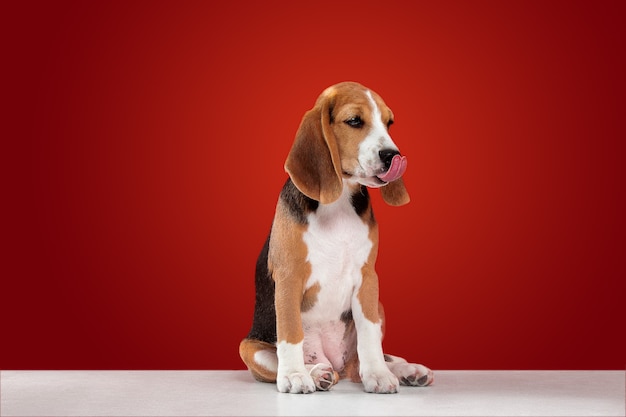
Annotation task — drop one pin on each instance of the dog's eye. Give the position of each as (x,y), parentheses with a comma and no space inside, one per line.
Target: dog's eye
(354,122)
(389,123)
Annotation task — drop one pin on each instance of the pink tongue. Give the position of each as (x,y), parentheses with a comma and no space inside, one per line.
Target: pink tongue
(396,169)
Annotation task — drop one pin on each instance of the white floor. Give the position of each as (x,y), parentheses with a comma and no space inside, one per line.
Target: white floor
(205,393)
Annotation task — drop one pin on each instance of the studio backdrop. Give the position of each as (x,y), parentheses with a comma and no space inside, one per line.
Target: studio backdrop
(142,156)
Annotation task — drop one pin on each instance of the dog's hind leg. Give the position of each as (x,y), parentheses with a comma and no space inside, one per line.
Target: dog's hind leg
(260,358)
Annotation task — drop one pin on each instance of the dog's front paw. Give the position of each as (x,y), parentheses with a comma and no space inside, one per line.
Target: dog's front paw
(380,381)
(295,383)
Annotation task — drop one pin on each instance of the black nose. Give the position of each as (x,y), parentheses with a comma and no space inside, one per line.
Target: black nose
(386,155)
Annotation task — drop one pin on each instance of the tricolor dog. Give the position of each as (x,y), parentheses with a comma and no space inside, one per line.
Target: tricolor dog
(317,316)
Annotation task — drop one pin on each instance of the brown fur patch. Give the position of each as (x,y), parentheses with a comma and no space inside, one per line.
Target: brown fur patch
(310,297)
(351,369)
(313,162)
(395,193)
(368,293)
(351,358)
(381,314)
(290,270)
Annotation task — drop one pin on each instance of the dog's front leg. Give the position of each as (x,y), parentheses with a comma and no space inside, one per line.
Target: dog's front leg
(292,375)
(374,372)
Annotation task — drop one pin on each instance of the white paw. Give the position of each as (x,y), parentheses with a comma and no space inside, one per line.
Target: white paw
(295,383)
(323,375)
(412,374)
(380,381)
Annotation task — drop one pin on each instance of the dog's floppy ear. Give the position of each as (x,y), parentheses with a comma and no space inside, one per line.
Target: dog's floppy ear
(395,193)
(313,162)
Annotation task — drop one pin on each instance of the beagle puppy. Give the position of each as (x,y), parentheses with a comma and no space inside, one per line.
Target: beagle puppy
(317,316)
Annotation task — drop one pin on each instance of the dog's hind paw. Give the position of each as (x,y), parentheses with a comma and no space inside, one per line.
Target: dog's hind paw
(411,374)
(417,379)
(323,376)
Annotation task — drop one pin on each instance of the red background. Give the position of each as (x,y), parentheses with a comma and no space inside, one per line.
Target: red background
(142,154)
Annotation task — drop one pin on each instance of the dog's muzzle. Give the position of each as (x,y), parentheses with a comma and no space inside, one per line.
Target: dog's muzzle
(395,165)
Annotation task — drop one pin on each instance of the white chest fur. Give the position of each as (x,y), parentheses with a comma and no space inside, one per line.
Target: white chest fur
(338,246)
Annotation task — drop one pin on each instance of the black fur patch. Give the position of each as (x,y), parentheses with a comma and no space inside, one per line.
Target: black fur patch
(361,200)
(299,204)
(264,322)
(346,316)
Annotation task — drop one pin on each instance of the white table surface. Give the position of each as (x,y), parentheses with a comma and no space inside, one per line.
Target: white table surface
(205,393)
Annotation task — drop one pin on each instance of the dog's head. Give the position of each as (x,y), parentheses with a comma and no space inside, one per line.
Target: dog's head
(345,137)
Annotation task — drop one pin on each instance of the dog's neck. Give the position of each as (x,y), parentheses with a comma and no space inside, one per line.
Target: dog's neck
(354,200)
